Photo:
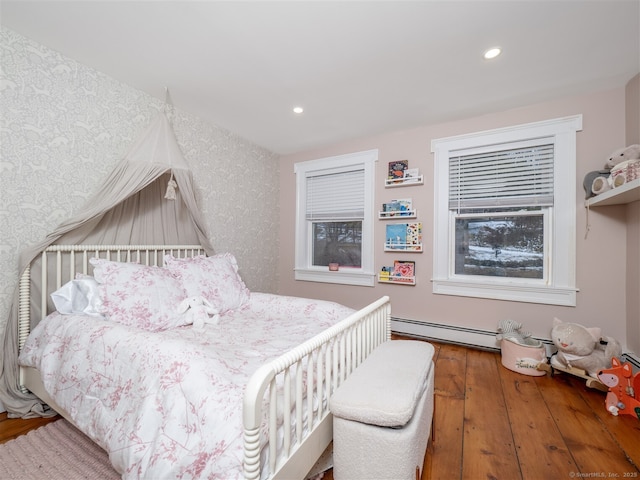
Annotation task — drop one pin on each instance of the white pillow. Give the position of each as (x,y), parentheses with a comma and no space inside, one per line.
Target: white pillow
(138,295)
(80,295)
(215,278)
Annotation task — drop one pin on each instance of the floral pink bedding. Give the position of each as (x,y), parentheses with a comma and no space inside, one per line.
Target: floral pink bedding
(169,404)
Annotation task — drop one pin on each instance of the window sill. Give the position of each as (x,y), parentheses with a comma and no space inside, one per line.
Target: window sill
(548,295)
(343,277)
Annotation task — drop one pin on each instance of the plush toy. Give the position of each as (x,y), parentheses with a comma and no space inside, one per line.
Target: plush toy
(624,389)
(510,329)
(632,152)
(596,182)
(582,347)
(199,311)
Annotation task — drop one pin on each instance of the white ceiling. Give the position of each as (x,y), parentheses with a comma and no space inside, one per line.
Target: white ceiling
(357,67)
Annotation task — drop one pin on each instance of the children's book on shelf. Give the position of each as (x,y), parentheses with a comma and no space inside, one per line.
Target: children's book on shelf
(411,175)
(397,208)
(404,236)
(397,168)
(414,235)
(385,273)
(404,271)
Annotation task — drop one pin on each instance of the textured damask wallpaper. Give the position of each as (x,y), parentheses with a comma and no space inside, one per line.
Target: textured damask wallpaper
(64,126)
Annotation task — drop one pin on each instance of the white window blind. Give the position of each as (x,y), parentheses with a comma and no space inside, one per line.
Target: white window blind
(519,177)
(336,196)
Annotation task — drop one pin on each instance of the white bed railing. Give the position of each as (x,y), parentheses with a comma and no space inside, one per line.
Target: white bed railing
(303,380)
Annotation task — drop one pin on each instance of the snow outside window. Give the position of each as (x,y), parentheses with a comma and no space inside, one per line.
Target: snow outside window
(505,213)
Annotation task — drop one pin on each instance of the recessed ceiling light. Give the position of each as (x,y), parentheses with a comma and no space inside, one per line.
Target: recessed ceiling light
(298,110)
(492,53)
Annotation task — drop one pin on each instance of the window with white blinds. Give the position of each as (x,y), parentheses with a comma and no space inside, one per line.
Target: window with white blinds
(518,177)
(505,213)
(335,219)
(336,196)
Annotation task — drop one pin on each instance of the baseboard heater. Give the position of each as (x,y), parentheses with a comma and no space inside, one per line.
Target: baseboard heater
(633,359)
(471,337)
(468,337)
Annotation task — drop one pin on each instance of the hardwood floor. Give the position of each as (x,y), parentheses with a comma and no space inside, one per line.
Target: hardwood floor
(11,428)
(493,423)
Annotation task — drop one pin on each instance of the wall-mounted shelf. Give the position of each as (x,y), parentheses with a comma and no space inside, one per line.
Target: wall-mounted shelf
(403,247)
(398,215)
(627,193)
(396,279)
(404,182)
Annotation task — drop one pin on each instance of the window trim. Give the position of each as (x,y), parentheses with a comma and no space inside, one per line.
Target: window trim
(303,268)
(560,289)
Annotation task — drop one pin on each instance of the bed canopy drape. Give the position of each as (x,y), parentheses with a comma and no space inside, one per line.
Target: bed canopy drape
(148,198)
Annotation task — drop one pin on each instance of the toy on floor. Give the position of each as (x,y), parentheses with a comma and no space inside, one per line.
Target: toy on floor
(582,352)
(582,347)
(624,389)
(519,351)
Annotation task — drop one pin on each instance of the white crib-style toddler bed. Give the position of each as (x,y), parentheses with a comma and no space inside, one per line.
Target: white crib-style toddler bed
(245,396)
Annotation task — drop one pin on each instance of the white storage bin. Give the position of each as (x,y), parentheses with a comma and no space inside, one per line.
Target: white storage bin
(382,414)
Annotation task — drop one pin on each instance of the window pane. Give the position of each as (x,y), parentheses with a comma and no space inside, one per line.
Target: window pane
(500,246)
(337,242)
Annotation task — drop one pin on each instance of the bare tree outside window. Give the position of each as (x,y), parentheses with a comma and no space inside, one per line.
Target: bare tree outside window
(337,242)
(503,246)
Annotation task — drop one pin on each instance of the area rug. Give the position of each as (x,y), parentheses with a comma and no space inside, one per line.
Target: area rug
(56,451)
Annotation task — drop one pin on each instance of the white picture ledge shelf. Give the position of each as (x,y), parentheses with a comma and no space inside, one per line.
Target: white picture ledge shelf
(404,182)
(398,215)
(403,247)
(396,279)
(627,193)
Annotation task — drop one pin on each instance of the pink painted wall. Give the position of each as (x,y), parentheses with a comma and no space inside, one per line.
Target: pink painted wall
(601,257)
(633,224)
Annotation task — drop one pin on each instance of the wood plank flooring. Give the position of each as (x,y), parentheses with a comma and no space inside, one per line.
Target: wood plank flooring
(493,423)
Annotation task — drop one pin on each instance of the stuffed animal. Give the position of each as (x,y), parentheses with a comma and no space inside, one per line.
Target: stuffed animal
(596,182)
(199,311)
(582,347)
(624,389)
(511,329)
(632,152)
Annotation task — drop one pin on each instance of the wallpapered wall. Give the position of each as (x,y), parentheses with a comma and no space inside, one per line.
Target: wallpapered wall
(63,128)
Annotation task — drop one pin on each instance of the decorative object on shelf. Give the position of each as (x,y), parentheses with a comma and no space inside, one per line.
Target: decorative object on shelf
(404,269)
(397,168)
(596,182)
(334,267)
(397,208)
(625,154)
(400,175)
(411,175)
(404,237)
(402,272)
(624,389)
(621,167)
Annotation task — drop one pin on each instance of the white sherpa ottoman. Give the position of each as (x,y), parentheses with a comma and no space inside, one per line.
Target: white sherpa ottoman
(382,414)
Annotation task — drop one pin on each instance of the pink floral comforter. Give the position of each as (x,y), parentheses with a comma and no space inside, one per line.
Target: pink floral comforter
(169,404)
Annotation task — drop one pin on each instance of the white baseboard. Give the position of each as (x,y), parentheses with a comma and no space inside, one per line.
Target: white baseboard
(455,334)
